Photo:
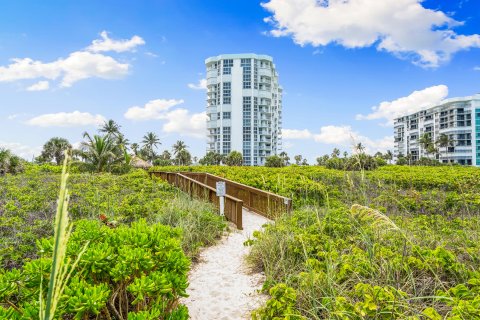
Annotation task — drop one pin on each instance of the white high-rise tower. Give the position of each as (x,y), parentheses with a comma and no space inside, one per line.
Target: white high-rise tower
(244,106)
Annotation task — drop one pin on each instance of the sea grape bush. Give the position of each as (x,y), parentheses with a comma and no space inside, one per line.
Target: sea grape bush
(343,267)
(396,189)
(414,255)
(128,272)
(28,202)
(281,305)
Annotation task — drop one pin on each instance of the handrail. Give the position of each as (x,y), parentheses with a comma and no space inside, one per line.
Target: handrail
(233,206)
(263,202)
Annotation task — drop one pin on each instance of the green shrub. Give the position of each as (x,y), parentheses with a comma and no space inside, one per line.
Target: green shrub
(28,201)
(139,271)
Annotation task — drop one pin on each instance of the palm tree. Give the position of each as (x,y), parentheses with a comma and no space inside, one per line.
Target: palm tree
(179,146)
(409,158)
(98,151)
(285,158)
(359,147)
(121,144)
(110,127)
(150,141)
(425,142)
(121,140)
(298,159)
(234,158)
(445,142)
(54,149)
(183,158)
(9,163)
(335,153)
(166,155)
(388,156)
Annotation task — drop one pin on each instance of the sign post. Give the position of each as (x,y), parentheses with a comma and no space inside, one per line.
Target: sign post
(221,191)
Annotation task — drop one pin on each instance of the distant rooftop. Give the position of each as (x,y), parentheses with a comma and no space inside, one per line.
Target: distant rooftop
(444,102)
(239,56)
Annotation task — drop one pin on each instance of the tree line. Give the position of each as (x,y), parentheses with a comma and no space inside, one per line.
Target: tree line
(109,150)
(106,150)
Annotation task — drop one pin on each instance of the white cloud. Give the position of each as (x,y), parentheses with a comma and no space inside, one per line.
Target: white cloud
(336,135)
(402,27)
(347,137)
(21,150)
(342,136)
(293,134)
(39,86)
(178,120)
(476,68)
(109,44)
(153,110)
(416,101)
(77,66)
(83,65)
(17,115)
(67,119)
(151,54)
(201,85)
(182,122)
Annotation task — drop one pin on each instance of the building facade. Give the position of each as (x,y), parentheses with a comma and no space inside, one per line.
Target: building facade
(457,118)
(244,106)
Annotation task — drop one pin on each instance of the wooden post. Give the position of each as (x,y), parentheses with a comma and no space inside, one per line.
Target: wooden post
(238,215)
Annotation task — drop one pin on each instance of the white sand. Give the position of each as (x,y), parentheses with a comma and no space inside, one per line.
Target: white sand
(221,285)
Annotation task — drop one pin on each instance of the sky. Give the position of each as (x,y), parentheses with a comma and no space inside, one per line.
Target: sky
(347,67)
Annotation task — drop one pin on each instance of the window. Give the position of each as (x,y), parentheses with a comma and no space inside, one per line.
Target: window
(255,74)
(247,111)
(227,92)
(227,66)
(226,134)
(226,148)
(227,115)
(247,101)
(245,62)
(247,79)
(247,73)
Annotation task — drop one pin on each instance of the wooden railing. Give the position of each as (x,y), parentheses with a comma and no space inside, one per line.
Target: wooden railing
(233,206)
(265,203)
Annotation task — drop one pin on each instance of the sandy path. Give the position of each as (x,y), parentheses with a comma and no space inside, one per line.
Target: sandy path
(221,285)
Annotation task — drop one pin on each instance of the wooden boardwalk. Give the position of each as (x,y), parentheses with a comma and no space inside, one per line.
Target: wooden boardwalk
(202,185)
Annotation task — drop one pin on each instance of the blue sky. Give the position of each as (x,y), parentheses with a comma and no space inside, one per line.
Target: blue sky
(337,60)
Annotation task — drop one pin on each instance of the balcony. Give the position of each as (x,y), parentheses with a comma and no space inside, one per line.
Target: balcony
(211,109)
(264,94)
(265,80)
(265,72)
(211,81)
(211,124)
(212,73)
